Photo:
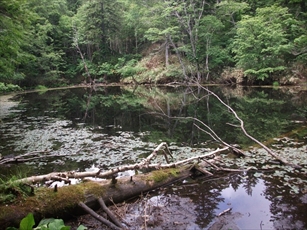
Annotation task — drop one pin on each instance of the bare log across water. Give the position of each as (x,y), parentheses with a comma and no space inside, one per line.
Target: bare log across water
(99,174)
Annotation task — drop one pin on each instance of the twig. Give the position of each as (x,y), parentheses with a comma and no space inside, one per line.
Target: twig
(76,44)
(32,156)
(21,158)
(202,170)
(98,217)
(210,163)
(224,212)
(110,214)
(237,170)
(145,213)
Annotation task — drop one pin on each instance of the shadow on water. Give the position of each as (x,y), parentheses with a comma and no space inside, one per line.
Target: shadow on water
(113,126)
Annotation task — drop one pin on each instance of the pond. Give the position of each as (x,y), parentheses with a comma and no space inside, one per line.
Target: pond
(78,128)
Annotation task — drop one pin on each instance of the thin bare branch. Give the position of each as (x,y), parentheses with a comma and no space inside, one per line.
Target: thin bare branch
(145,163)
(98,217)
(280,159)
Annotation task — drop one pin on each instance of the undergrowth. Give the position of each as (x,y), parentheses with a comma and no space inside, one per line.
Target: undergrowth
(11,189)
(8,87)
(28,223)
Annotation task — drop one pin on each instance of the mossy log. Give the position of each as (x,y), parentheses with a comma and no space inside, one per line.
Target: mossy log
(63,203)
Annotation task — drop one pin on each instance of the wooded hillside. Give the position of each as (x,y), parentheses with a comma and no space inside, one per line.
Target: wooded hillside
(199,40)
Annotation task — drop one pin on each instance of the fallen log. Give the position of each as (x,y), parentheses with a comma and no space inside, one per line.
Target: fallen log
(145,163)
(64,203)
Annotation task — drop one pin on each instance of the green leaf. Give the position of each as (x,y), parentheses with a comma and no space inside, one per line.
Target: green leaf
(45,222)
(27,223)
(81,227)
(43,227)
(58,224)
(65,228)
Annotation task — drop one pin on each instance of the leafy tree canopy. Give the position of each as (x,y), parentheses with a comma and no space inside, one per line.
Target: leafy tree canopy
(200,38)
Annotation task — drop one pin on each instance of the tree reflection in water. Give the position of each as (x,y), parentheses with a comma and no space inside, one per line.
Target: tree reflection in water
(119,129)
(255,203)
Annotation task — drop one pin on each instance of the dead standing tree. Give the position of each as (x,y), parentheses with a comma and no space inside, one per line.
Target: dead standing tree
(76,45)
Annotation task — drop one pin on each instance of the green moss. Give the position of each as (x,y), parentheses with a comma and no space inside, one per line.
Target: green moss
(93,188)
(46,202)
(159,176)
(174,171)
(163,174)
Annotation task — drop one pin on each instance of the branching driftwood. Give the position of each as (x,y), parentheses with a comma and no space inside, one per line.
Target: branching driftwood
(145,163)
(118,191)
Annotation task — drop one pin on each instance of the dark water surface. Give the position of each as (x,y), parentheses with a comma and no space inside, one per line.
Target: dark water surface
(117,125)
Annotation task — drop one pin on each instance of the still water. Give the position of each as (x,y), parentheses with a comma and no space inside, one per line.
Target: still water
(78,128)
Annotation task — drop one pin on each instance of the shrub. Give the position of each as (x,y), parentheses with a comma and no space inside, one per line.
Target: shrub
(9,87)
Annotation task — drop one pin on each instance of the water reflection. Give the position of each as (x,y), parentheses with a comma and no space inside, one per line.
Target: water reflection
(107,110)
(251,203)
(251,207)
(113,126)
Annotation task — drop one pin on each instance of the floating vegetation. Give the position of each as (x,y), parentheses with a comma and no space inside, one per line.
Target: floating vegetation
(112,136)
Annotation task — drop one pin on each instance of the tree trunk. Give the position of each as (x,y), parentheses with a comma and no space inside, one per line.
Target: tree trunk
(166,53)
(63,202)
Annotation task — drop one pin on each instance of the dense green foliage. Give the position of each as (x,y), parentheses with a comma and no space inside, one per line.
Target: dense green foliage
(10,190)
(50,42)
(28,223)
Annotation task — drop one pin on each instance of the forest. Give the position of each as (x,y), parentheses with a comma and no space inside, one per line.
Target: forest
(65,42)
(113,143)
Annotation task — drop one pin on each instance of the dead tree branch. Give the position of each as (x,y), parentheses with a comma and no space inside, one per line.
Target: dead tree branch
(98,217)
(76,44)
(280,159)
(110,214)
(145,163)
